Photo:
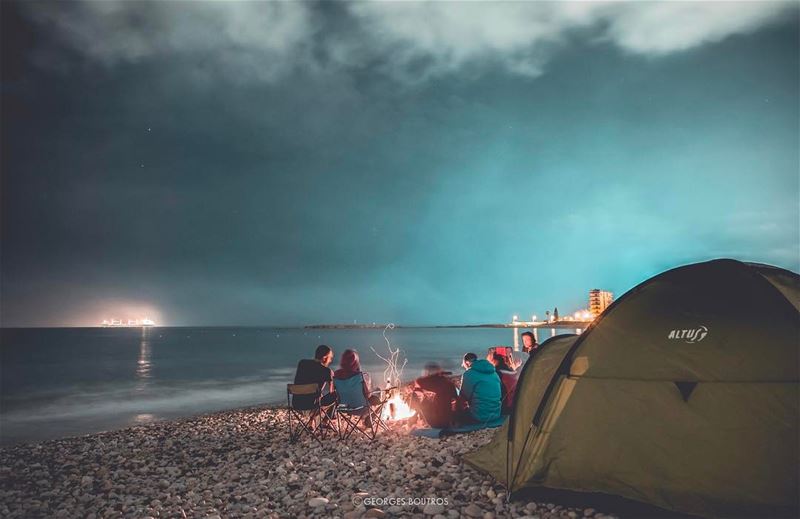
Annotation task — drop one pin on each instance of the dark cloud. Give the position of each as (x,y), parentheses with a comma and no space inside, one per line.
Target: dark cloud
(257,163)
(411,41)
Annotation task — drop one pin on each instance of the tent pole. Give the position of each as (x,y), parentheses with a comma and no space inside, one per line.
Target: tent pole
(509,449)
(524,446)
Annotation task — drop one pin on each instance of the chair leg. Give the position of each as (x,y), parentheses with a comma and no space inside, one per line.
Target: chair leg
(375,422)
(319,424)
(303,425)
(371,431)
(378,418)
(296,431)
(327,415)
(315,429)
(362,420)
(350,427)
(339,430)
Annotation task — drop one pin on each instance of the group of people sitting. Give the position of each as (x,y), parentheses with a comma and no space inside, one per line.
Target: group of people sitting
(481,394)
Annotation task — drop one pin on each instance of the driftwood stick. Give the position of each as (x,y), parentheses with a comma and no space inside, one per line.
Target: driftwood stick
(392,374)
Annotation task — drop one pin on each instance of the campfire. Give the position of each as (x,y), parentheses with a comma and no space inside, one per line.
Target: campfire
(397,409)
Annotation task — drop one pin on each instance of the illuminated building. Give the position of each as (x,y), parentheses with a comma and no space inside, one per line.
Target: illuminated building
(599,300)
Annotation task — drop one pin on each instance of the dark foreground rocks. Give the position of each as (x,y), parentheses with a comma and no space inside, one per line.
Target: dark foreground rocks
(240,464)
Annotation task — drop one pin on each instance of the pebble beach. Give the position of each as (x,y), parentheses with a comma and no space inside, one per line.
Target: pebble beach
(240,464)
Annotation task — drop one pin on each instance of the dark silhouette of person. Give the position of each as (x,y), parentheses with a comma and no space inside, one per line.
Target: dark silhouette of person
(433,396)
(315,371)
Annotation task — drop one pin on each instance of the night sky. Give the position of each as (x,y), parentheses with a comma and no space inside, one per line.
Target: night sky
(289,163)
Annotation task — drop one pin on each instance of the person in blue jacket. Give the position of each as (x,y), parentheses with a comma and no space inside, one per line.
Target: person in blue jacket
(480,393)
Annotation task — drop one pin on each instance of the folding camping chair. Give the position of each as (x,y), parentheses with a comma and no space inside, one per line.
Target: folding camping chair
(315,419)
(355,409)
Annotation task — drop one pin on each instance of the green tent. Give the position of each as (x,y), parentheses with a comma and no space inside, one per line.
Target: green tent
(683,394)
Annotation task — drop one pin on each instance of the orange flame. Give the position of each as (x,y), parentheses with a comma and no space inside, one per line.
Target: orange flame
(397,409)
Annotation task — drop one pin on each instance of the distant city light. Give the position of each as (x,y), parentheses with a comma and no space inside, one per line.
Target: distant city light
(599,300)
(118,312)
(119,323)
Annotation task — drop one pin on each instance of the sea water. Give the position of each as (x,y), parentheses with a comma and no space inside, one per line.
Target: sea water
(57,382)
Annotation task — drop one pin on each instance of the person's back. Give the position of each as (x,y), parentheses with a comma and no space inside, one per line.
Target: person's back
(508,388)
(480,387)
(313,371)
(438,412)
(350,367)
(351,390)
(508,379)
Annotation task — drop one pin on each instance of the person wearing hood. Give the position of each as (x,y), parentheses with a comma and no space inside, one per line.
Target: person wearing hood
(480,392)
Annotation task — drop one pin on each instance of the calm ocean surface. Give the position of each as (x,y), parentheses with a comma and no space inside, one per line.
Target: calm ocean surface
(57,382)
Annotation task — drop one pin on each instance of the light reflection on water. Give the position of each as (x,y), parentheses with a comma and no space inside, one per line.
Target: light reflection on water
(143,365)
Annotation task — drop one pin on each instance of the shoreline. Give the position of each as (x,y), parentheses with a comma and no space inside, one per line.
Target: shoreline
(334,326)
(155,421)
(239,463)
